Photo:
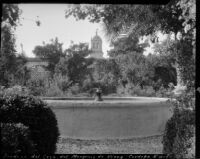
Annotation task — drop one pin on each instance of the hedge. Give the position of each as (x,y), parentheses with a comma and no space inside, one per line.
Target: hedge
(36,115)
(179,135)
(15,138)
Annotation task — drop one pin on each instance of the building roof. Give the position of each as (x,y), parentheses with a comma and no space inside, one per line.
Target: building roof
(96,37)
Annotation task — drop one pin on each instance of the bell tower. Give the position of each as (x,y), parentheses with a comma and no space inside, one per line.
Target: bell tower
(96,46)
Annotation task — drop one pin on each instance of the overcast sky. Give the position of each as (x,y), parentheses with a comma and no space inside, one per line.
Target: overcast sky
(53,24)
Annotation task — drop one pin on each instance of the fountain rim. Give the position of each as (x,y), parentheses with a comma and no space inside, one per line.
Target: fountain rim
(104,98)
(108,102)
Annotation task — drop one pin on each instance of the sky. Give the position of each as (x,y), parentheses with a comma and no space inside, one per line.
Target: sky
(54,24)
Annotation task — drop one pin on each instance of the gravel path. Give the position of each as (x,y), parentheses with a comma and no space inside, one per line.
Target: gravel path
(147,145)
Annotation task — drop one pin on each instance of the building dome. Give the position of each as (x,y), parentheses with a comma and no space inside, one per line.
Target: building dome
(96,38)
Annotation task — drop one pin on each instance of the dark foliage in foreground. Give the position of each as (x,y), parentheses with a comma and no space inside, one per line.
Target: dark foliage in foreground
(179,135)
(34,114)
(15,138)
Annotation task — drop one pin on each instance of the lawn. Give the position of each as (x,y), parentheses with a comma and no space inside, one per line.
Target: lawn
(146,145)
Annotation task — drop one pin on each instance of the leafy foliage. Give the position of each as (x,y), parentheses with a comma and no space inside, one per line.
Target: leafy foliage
(14,90)
(188,8)
(163,68)
(178,133)
(37,85)
(33,113)
(10,14)
(7,56)
(117,18)
(139,20)
(186,61)
(52,52)
(105,73)
(16,139)
(120,18)
(12,67)
(125,45)
(74,64)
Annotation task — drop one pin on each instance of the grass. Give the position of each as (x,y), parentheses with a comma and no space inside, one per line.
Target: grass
(146,145)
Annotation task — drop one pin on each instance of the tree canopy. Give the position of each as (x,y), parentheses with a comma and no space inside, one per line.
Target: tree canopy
(11,63)
(140,19)
(178,16)
(74,64)
(52,52)
(10,14)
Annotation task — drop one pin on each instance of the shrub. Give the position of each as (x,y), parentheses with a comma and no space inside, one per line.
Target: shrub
(108,88)
(179,131)
(120,90)
(135,90)
(179,134)
(62,82)
(75,89)
(149,91)
(35,114)
(15,138)
(38,82)
(132,89)
(53,90)
(88,86)
(36,87)
(16,90)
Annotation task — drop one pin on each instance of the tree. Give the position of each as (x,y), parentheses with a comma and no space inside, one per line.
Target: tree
(10,14)
(183,49)
(11,64)
(106,73)
(52,52)
(135,69)
(74,64)
(7,56)
(139,20)
(163,68)
(125,45)
(127,53)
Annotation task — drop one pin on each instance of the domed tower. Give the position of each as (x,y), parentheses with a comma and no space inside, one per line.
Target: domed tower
(96,47)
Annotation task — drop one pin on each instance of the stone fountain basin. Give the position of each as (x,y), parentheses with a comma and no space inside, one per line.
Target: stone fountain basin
(113,118)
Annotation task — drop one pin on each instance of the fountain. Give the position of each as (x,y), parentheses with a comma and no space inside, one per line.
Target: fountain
(112,118)
(98,94)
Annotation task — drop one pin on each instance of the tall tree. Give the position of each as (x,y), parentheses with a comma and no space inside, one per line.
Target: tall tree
(125,45)
(105,71)
(127,53)
(10,62)
(7,56)
(74,64)
(139,19)
(10,14)
(52,52)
